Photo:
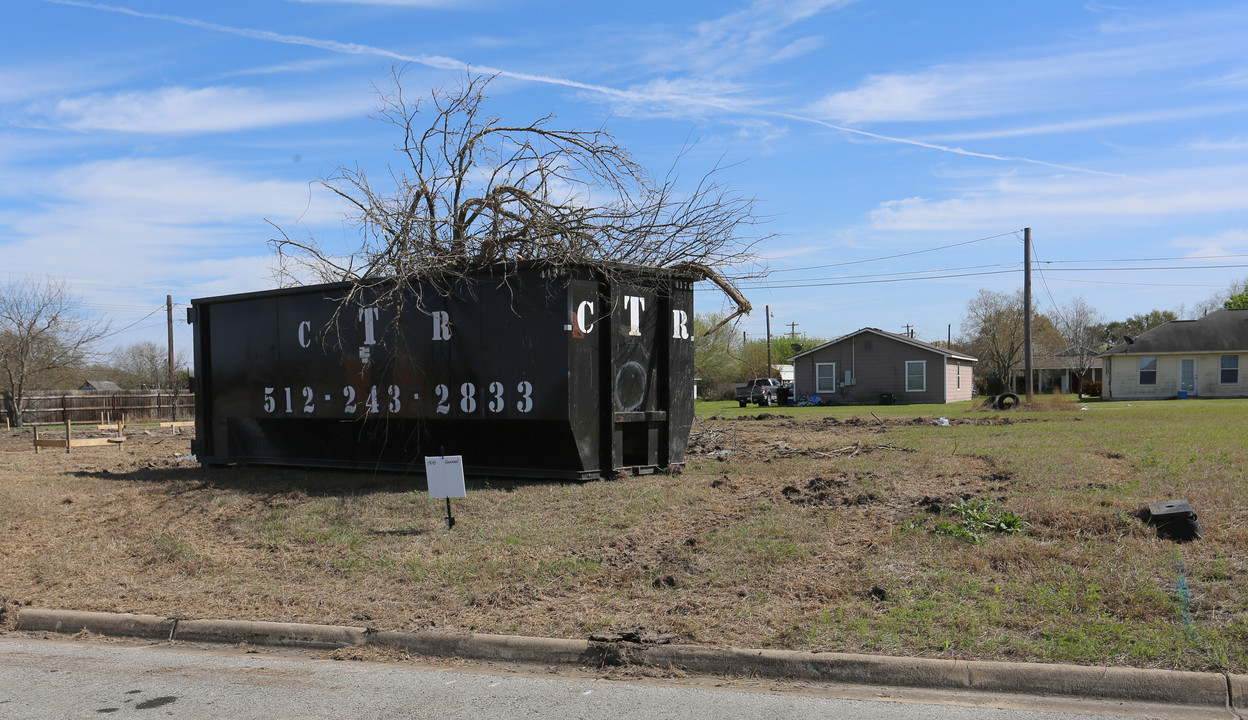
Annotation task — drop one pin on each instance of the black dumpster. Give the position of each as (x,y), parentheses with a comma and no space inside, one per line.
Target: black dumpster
(524,370)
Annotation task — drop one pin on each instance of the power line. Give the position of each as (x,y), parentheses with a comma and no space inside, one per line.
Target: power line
(893,257)
(1158,267)
(1036,257)
(1156,259)
(892,280)
(131,325)
(1130,284)
(765,284)
(883,278)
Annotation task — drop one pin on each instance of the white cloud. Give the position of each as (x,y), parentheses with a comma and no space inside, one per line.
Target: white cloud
(1235,143)
(986,89)
(302,66)
(127,231)
(1014,202)
(742,40)
(198,110)
(30,82)
(682,98)
(170,191)
(1228,242)
(1076,78)
(1092,123)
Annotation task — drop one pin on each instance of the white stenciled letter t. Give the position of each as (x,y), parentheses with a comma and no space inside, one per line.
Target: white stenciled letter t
(634,305)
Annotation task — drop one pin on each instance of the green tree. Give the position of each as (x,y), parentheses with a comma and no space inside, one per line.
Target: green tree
(1225,299)
(1117,331)
(1238,301)
(754,357)
(716,356)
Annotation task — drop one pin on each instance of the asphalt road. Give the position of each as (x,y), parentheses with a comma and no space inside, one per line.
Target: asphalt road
(43,679)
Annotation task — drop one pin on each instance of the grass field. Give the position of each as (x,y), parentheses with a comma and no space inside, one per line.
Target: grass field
(1002,535)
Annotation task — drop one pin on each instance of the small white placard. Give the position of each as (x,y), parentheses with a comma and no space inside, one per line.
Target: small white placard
(446,476)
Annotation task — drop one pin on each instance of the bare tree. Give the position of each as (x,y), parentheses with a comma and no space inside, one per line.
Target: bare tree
(42,330)
(472,191)
(1083,328)
(993,332)
(146,364)
(1228,298)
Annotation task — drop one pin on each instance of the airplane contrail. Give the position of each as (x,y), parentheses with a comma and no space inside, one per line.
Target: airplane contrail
(447,63)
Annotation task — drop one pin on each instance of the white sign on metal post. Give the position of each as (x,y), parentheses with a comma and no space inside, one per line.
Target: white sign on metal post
(446,476)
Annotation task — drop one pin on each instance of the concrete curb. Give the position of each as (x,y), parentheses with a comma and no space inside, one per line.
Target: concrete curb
(320,637)
(1238,687)
(62,621)
(1099,683)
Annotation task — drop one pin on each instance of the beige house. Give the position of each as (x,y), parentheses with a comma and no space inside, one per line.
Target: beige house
(1182,358)
(870,366)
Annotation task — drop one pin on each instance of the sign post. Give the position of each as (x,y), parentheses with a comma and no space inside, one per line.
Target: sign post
(445,475)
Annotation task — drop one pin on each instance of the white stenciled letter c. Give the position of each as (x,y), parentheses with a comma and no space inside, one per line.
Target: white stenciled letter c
(585,308)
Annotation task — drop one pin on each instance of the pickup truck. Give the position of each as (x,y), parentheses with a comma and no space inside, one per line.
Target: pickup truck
(758,390)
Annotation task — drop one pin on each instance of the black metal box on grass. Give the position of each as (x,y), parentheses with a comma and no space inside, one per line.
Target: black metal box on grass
(524,370)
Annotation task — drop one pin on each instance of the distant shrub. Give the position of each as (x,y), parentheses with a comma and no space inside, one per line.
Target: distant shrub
(1092,388)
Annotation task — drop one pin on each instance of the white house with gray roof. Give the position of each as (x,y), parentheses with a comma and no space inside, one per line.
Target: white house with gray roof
(1207,357)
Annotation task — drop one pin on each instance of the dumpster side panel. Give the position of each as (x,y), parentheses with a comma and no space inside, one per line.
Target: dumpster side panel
(679,343)
(508,373)
(651,390)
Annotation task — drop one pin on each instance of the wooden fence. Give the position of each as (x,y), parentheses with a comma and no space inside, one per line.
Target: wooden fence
(82,406)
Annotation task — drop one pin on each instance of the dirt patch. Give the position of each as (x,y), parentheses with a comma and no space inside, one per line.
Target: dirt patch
(796,532)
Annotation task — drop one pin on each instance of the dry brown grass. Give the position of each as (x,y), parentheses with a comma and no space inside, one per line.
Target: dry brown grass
(812,531)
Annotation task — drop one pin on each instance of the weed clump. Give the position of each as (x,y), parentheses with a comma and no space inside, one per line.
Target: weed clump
(970,520)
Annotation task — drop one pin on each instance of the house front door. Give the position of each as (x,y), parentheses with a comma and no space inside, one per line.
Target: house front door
(1187,376)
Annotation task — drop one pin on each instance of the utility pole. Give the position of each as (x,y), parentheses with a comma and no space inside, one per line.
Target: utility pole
(1027,312)
(909,331)
(169,309)
(173,384)
(949,339)
(792,331)
(767,312)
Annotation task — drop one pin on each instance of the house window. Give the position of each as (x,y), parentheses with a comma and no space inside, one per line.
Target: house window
(1148,371)
(916,375)
(958,385)
(1230,369)
(825,377)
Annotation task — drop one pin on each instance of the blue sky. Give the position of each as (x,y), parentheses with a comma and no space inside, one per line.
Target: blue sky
(145,146)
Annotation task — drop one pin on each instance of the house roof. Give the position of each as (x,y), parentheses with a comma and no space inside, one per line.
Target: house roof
(1220,331)
(891,336)
(100,386)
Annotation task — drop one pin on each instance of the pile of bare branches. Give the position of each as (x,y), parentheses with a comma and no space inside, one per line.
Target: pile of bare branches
(473,192)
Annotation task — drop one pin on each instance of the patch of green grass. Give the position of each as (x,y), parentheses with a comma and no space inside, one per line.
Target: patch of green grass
(173,550)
